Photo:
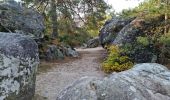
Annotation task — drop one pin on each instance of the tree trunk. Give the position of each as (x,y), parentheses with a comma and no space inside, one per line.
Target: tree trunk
(53,16)
(166,17)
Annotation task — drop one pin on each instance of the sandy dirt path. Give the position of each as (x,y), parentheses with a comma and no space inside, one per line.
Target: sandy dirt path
(53,77)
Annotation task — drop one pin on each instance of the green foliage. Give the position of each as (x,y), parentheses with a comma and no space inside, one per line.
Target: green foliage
(154,41)
(74,39)
(66,16)
(69,32)
(128,13)
(96,18)
(149,49)
(140,52)
(116,61)
(165,40)
(163,45)
(148,9)
(94,23)
(143,40)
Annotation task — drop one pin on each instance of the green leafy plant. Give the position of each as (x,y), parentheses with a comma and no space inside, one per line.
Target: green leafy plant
(143,40)
(164,54)
(116,61)
(165,40)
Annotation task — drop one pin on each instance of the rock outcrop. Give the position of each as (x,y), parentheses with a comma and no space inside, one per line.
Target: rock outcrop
(147,81)
(18,63)
(129,33)
(18,19)
(111,29)
(135,37)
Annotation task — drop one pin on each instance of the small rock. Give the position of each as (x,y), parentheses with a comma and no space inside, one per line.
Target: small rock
(53,53)
(92,43)
(72,53)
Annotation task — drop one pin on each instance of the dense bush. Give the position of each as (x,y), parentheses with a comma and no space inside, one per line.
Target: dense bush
(165,39)
(141,51)
(164,48)
(143,40)
(116,60)
(149,49)
(76,39)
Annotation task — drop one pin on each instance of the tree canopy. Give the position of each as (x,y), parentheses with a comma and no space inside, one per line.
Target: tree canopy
(66,16)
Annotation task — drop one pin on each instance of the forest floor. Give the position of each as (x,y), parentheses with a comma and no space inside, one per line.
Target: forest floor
(55,76)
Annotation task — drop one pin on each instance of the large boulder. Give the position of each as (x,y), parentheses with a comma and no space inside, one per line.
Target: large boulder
(129,37)
(18,63)
(147,81)
(111,29)
(129,33)
(15,18)
(125,30)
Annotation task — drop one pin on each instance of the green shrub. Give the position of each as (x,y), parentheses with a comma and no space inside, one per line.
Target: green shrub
(164,48)
(142,50)
(116,61)
(165,40)
(143,40)
(75,39)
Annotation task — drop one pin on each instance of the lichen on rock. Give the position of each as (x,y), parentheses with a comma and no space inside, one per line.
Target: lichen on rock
(18,64)
(19,19)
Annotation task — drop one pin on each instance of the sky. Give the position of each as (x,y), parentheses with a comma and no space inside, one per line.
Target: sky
(119,5)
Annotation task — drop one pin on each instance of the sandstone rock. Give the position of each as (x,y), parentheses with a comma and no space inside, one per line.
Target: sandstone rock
(53,53)
(92,43)
(71,52)
(139,53)
(111,29)
(15,18)
(129,33)
(18,63)
(147,81)
(68,51)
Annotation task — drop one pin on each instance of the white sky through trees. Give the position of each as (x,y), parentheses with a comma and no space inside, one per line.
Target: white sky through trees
(119,5)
